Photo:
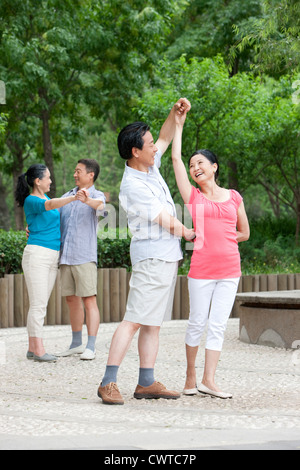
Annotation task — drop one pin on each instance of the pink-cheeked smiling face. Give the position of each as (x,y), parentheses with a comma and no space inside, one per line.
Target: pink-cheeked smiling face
(201,169)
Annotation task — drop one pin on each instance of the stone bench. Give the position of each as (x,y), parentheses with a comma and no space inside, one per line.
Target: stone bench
(270,318)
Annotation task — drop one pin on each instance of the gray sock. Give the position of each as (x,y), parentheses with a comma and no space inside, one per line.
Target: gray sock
(76,339)
(146,377)
(91,343)
(110,375)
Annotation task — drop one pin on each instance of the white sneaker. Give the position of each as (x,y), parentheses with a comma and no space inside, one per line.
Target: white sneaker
(88,355)
(70,352)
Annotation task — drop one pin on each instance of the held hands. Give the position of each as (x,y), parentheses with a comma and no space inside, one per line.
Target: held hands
(182,107)
(189,234)
(82,195)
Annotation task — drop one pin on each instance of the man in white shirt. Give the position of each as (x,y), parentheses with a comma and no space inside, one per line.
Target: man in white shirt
(155,251)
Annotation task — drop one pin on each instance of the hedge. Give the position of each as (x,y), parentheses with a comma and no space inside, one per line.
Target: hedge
(111,253)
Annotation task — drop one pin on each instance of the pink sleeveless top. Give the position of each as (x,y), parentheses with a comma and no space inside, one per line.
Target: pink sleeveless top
(216,254)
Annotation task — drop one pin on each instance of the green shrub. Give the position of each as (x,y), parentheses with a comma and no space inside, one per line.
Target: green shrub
(111,253)
(114,253)
(12,245)
(271,247)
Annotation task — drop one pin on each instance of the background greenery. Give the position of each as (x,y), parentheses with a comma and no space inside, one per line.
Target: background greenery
(77,71)
(271,250)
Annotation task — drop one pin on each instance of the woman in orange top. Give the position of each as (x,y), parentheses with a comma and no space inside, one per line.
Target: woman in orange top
(220,222)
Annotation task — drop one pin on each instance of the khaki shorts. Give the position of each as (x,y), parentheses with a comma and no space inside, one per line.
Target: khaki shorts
(151,294)
(79,280)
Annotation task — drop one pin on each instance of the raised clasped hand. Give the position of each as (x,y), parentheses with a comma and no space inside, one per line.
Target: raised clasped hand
(182,106)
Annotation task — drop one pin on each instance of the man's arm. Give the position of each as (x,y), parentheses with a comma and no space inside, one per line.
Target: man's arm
(83,196)
(174,226)
(96,204)
(168,128)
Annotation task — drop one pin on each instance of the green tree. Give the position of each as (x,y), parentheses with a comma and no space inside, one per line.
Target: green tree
(215,120)
(57,53)
(274,38)
(245,121)
(280,148)
(205,29)
(137,33)
(40,45)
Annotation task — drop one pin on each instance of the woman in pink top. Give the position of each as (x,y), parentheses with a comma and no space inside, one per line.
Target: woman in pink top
(220,222)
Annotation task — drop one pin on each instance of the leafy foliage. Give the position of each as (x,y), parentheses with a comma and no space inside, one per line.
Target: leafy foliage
(252,126)
(12,245)
(274,37)
(77,71)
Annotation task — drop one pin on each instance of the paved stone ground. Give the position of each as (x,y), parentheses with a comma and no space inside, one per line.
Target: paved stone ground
(55,406)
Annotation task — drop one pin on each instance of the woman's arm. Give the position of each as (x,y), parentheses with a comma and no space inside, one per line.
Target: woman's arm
(181,176)
(168,128)
(56,203)
(243,229)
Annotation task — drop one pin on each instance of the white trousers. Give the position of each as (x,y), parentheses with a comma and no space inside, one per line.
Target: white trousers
(40,267)
(211,302)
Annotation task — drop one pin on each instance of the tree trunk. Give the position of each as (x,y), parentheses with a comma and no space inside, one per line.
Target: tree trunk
(19,211)
(17,170)
(235,67)
(47,146)
(275,202)
(233,173)
(232,176)
(297,225)
(4,212)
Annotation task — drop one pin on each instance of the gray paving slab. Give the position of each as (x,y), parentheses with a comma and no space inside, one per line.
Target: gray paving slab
(55,406)
(271,297)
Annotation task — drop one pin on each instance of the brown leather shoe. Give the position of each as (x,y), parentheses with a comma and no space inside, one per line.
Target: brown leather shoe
(110,394)
(156,390)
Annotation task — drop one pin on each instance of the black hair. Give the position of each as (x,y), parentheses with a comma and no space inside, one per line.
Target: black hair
(92,166)
(26,180)
(210,156)
(131,136)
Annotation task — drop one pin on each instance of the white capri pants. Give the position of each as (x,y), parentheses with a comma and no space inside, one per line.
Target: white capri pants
(40,267)
(211,302)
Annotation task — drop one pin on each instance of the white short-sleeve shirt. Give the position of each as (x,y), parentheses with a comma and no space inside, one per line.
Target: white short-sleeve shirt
(143,196)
